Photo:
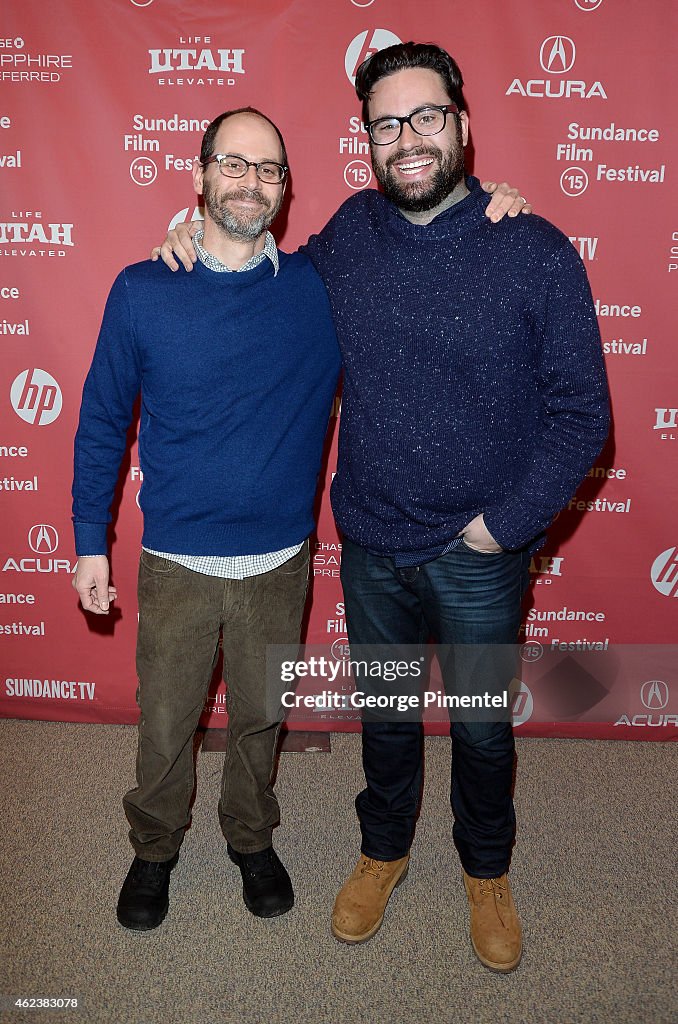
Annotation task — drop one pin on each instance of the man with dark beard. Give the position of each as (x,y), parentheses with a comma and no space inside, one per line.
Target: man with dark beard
(474,402)
(237,366)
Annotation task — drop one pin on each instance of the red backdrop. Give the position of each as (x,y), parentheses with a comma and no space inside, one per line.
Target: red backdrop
(102,110)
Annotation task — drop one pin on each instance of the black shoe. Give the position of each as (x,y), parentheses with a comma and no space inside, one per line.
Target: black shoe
(266,886)
(144,897)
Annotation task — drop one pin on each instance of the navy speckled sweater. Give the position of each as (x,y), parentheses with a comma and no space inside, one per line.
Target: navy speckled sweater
(474,374)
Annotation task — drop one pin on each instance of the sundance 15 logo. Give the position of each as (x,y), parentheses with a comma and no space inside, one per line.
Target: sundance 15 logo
(557,55)
(665,572)
(36,397)
(365,45)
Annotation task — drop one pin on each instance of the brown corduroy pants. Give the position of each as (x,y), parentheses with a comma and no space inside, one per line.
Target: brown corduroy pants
(181,613)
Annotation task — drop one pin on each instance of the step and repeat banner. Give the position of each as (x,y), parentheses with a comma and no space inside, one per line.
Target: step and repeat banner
(102,109)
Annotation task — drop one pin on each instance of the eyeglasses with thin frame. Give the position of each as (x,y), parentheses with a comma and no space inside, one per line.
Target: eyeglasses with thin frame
(232,166)
(428,120)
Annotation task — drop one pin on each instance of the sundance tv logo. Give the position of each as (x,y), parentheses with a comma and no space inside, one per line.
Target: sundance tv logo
(557,55)
(36,397)
(365,45)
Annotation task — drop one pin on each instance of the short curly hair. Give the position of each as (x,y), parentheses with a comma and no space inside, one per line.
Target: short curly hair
(403,56)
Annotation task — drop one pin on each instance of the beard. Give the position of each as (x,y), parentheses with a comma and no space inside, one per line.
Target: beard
(240,224)
(421,196)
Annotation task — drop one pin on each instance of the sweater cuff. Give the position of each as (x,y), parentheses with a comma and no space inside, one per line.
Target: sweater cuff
(91,538)
(512,531)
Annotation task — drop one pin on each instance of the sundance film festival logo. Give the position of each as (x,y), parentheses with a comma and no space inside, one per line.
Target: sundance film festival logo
(664,572)
(531,651)
(143,171)
(43,539)
(365,45)
(36,397)
(557,55)
(654,694)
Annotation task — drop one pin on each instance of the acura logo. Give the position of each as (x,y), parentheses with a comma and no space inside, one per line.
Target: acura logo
(557,54)
(43,539)
(654,694)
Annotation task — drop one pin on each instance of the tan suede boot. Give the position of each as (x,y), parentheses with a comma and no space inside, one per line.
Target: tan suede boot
(360,904)
(496,935)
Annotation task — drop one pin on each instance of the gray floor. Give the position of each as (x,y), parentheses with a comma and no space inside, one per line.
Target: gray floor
(593,875)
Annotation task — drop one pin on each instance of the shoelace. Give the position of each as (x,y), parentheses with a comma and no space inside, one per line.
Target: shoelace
(492,887)
(373,867)
(262,867)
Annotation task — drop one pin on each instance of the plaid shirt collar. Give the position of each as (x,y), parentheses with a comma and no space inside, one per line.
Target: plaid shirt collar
(270,249)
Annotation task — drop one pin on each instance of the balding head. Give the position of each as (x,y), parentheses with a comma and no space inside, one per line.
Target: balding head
(241,118)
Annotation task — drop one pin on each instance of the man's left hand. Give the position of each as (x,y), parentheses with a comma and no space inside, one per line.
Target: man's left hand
(477,537)
(505,200)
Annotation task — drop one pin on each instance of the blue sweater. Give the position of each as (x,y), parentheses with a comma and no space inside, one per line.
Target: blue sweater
(237,374)
(474,374)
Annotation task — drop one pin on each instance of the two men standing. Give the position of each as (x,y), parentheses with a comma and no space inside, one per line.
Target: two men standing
(474,402)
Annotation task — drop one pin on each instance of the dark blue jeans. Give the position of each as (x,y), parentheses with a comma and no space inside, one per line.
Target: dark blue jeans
(463,597)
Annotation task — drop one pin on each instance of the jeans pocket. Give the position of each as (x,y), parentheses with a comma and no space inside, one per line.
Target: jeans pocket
(482,554)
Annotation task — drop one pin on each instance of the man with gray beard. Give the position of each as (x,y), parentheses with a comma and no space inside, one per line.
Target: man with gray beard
(237,366)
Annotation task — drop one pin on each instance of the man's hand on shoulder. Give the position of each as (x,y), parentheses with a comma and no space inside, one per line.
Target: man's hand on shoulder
(91,582)
(505,200)
(179,243)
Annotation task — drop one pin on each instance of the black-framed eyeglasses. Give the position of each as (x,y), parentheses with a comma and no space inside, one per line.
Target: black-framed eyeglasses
(232,166)
(427,120)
